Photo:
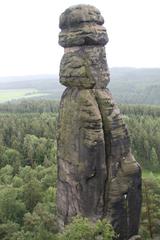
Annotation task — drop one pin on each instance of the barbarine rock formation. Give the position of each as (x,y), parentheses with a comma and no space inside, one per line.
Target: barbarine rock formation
(98,177)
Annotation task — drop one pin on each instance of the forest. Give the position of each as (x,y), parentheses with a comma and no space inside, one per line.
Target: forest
(28,172)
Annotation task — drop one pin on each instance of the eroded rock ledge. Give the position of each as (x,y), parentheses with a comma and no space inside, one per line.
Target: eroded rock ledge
(98,176)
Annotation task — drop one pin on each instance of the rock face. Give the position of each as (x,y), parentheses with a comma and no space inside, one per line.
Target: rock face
(98,176)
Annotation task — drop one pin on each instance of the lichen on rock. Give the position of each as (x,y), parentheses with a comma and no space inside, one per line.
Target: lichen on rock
(98,177)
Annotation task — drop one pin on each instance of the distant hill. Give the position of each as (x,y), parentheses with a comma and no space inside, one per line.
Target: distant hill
(136,85)
(128,85)
(39,82)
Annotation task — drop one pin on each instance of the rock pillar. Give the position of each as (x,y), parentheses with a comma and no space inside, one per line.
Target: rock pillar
(98,176)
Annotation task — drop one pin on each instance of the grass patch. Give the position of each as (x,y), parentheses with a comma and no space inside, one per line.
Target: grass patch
(12,94)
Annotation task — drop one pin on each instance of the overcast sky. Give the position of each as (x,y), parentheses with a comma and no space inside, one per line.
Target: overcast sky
(29,34)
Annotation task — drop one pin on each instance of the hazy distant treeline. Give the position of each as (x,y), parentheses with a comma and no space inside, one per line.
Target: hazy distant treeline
(135,86)
(30,106)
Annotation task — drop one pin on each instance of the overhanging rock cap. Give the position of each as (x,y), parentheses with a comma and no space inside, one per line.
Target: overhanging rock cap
(82,25)
(78,14)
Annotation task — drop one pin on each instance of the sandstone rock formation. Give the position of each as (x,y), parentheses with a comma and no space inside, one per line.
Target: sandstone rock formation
(98,176)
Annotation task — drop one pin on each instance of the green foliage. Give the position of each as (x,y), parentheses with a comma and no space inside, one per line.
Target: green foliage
(11,207)
(38,150)
(150,217)
(6,175)
(154,159)
(27,139)
(104,229)
(81,228)
(27,203)
(145,137)
(13,158)
(8,229)
(32,193)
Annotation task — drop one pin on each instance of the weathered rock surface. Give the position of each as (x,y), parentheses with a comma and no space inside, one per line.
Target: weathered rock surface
(82,26)
(98,176)
(79,68)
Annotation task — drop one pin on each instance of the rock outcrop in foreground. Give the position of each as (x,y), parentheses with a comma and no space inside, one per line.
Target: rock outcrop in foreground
(98,176)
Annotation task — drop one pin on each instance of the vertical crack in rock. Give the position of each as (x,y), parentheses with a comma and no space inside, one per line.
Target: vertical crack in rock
(98,176)
(107,140)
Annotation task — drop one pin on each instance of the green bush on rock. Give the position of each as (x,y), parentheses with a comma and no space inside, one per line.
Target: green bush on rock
(82,229)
